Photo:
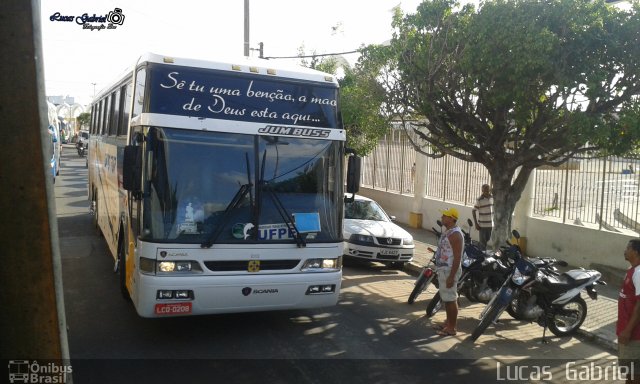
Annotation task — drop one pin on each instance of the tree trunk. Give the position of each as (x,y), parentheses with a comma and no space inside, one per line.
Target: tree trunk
(505,197)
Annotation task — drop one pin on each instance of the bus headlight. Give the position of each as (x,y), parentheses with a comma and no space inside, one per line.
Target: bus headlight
(178,266)
(322,265)
(150,266)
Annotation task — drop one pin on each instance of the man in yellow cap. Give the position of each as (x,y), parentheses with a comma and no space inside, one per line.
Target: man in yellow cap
(448,260)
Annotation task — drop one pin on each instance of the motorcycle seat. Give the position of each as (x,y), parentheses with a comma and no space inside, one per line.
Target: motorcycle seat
(568,280)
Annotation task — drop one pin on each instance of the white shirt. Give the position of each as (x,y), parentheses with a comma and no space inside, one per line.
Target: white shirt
(444,255)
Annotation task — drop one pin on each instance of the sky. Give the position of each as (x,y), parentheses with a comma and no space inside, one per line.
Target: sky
(80,61)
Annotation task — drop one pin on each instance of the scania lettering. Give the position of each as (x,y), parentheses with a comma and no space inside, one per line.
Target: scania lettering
(209,177)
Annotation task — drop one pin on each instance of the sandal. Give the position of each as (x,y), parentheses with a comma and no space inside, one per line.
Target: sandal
(438,327)
(444,332)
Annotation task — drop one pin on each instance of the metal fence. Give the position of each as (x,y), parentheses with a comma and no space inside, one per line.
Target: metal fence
(391,165)
(602,193)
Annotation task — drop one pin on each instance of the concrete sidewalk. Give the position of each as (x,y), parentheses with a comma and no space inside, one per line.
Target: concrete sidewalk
(600,324)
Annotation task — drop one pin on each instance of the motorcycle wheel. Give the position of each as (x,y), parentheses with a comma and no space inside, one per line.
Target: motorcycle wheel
(491,315)
(421,286)
(568,319)
(434,305)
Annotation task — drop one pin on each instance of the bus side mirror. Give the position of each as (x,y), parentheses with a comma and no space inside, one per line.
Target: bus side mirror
(132,168)
(353,176)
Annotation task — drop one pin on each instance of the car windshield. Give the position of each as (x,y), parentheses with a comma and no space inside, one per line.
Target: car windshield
(233,188)
(364,210)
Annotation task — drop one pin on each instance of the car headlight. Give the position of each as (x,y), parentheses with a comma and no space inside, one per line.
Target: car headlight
(150,266)
(322,265)
(357,238)
(407,241)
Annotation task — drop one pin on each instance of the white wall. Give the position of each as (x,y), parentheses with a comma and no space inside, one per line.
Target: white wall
(578,246)
(575,244)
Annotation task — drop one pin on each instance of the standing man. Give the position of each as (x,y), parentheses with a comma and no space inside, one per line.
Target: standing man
(484,218)
(628,327)
(448,260)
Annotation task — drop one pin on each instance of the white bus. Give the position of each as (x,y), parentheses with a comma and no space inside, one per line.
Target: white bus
(218,186)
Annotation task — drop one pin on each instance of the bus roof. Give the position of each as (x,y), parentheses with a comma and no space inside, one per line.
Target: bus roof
(240,64)
(246,64)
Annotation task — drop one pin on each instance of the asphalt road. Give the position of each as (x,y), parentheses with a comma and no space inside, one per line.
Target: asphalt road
(371,336)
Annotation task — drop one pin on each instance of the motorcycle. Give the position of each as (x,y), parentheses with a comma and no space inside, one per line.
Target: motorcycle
(482,276)
(82,146)
(484,281)
(472,258)
(536,291)
(428,273)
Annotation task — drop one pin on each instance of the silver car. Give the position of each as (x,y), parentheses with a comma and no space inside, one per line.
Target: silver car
(370,234)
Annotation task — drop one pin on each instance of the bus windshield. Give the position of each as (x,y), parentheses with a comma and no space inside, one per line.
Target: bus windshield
(239,188)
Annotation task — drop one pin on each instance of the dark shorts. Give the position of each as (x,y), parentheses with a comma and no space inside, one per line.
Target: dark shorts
(485,235)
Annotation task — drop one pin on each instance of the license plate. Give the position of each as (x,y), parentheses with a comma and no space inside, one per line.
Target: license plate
(173,309)
(389,252)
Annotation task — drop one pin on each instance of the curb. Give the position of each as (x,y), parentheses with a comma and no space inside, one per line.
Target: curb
(610,345)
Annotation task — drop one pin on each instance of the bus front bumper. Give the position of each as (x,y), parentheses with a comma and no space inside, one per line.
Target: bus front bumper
(206,294)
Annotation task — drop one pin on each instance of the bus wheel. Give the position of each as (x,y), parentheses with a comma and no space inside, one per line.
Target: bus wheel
(122,269)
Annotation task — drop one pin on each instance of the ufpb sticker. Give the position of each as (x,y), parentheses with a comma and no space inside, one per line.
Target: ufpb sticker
(265,232)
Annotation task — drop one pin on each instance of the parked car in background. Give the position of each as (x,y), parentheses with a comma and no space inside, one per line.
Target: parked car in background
(370,234)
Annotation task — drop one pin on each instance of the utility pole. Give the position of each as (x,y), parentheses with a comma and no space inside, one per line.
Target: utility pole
(246,28)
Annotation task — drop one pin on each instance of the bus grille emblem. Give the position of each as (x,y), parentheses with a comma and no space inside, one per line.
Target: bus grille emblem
(254,266)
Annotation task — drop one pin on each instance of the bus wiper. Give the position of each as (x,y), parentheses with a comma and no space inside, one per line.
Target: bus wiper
(242,192)
(233,204)
(286,217)
(300,242)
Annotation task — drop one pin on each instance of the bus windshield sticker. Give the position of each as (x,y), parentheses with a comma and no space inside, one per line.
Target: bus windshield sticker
(203,93)
(279,231)
(307,222)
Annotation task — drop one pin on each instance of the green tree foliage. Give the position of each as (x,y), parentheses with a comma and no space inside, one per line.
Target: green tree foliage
(84,119)
(361,100)
(515,84)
